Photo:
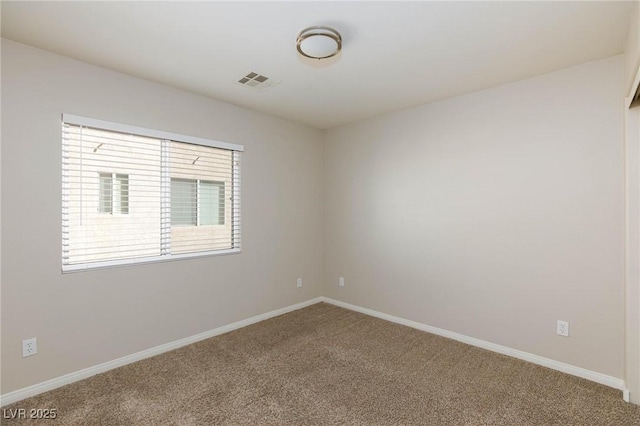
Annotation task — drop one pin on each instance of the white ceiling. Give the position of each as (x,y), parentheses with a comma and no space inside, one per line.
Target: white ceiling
(395,54)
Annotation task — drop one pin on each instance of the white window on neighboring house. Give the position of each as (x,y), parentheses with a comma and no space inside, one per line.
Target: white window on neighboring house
(184,211)
(196,202)
(114,193)
(132,195)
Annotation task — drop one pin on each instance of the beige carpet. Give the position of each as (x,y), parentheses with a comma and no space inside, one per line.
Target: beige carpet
(326,365)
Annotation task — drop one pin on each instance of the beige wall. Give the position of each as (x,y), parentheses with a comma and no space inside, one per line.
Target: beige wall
(492,214)
(632,166)
(632,295)
(86,318)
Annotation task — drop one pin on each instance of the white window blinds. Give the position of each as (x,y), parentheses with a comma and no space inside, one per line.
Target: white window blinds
(133,195)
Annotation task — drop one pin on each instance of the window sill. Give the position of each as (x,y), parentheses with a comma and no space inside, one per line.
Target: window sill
(144,260)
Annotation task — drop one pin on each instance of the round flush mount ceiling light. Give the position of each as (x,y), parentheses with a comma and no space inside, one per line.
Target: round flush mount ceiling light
(319,42)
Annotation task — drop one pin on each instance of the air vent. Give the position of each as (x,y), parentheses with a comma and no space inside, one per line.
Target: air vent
(256,81)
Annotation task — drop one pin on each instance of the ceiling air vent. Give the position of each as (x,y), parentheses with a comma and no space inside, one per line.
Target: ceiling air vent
(257,81)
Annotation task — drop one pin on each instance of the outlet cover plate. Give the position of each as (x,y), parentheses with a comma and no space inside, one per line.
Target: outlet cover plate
(563,328)
(29,347)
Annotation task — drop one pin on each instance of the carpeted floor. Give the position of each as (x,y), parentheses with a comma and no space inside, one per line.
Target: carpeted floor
(326,365)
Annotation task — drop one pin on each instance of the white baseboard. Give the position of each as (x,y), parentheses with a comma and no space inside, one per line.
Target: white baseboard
(603,379)
(48,385)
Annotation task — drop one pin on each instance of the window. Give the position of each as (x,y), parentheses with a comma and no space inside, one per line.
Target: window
(132,195)
(211,203)
(114,193)
(197,202)
(183,202)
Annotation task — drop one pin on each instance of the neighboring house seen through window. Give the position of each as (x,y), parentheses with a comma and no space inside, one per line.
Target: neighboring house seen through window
(134,195)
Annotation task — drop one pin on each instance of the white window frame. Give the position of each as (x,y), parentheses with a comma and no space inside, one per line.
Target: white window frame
(165,138)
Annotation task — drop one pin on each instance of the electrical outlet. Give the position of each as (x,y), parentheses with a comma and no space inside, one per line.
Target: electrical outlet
(341,281)
(29,347)
(299,283)
(563,328)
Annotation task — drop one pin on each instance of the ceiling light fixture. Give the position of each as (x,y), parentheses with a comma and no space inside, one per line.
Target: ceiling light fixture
(319,42)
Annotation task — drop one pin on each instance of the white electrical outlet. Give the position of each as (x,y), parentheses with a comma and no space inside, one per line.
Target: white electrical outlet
(563,328)
(299,283)
(29,347)
(341,281)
